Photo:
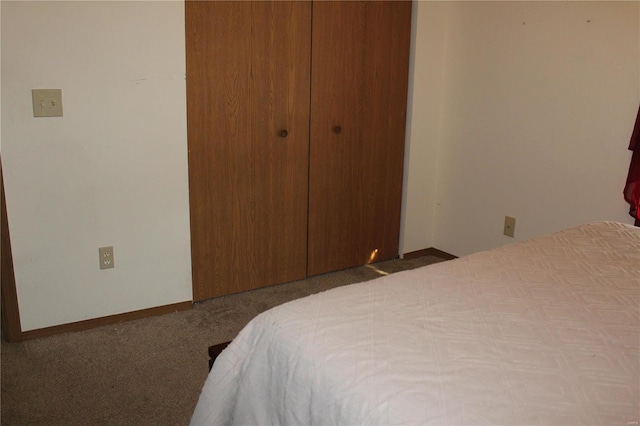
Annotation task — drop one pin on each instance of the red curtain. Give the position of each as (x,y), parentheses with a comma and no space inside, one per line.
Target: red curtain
(632,188)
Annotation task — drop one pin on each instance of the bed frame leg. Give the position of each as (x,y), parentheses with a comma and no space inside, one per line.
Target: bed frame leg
(214,351)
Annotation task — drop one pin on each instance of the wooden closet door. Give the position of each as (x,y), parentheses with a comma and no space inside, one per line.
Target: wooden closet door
(248,89)
(358,118)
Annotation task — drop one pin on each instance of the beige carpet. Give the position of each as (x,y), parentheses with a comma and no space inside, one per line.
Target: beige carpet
(144,372)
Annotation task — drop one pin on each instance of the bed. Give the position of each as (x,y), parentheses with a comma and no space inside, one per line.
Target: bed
(540,332)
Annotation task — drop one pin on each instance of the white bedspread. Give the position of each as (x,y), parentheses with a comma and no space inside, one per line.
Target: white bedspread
(540,332)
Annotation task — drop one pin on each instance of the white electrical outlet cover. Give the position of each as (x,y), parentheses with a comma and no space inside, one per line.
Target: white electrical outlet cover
(106,257)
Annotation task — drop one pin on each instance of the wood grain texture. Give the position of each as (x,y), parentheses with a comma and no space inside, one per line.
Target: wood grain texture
(247,80)
(11,326)
(359,81)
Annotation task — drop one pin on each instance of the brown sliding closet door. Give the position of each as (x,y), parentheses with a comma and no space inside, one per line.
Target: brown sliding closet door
(248,82)
(358,113)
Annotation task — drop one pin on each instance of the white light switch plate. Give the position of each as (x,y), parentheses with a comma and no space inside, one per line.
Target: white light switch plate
(47,102)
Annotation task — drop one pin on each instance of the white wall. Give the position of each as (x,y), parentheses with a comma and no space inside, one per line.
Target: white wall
(112,171)
(538,103)
(424,123)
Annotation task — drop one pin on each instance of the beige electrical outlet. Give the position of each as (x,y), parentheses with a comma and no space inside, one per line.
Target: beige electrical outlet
(509,226)
(47,102)
(106,257)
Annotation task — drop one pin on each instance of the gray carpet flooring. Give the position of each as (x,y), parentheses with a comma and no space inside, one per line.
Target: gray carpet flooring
(143,372)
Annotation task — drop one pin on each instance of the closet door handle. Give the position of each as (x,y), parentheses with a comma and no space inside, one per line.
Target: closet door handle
(284,133)
(337,129)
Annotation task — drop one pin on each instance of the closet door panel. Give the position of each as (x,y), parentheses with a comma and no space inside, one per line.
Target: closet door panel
(359,83)
(280,140)
(384,128)
(217,126)
(247,81)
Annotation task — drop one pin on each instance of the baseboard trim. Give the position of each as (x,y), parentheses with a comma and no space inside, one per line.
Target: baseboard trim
(102,321)
(431,251)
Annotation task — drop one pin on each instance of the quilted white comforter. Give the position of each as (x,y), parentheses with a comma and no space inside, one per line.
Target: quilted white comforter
(541,332)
